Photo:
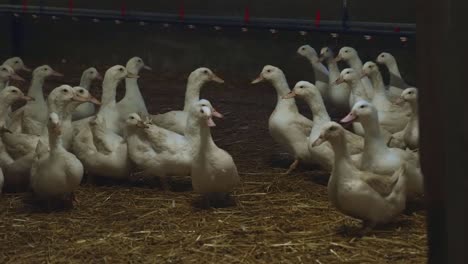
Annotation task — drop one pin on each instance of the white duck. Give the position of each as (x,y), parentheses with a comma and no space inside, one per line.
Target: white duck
(392,117)
(16,173)
(6,74)
(320,71)
(370,197)
(287,126)
(57,173)
(338,94)
(108,109)
(17,64)
(379,158)
(397,84)
(214,173)
(158,152)
(310,94)
(21,144)
(409,136)
(177,120)
(34,114)
(2,180)
(86,109)
(133,101)
(351,57)
(103,151)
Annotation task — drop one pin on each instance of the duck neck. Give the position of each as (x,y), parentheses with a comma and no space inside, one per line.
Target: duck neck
(373,140)
(35,90)
(340,149)
(393,69)
(332,66)
(319,111)
(199,136)
(355,63)
(4,107)
(55,143)
(377,83)
(192,93)
(320,71)
(414,108)
(85,82)
(3,84)
(109,90)
(131,87)
(358,90)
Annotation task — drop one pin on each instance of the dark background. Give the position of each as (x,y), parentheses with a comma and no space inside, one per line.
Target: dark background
(176,51)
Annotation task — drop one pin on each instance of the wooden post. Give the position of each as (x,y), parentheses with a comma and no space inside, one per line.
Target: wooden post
(441,54)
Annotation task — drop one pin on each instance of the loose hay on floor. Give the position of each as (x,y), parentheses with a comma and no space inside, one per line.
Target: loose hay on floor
(278,218)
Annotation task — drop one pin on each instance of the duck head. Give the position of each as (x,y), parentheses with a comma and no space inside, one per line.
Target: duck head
(17,64)
(205,112)
(308,52)
(408,95)
(385,58)
(325,54)
(302,89)
(12,94)
(117,73)
(8,73)
(269,73)
(45,71)
(329,132)
(369,69)
(135,65)
(203,75)
(346,53)
(54,124)
(135,120)
(92,74)
(347,75)
(83,95)
(361,111)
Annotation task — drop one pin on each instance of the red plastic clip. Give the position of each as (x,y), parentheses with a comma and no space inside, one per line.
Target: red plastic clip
(317,18)
(182,10)
(25,5)
(246,15)
(71,4)
(123,8)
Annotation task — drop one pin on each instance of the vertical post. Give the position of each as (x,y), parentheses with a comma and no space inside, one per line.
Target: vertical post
(441,56)
(17,36)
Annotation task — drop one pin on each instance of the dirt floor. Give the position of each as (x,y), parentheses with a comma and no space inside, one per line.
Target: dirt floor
(276,219)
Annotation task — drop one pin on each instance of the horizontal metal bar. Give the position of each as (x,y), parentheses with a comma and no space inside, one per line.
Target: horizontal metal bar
(353,27)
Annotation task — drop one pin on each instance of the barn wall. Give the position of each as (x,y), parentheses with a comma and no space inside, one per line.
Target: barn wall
(235,55)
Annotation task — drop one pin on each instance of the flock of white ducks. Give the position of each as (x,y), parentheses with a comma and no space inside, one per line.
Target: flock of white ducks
(48,144)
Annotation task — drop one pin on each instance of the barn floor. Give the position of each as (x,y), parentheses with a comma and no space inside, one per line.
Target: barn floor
(277,218)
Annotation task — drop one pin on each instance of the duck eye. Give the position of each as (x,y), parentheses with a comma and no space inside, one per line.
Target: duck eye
(121,69)
(362,106)
(205,71)
(16,62)
(81,91)
(302,86)
(268,70)
(132,117)
(332,128)
(303,48)
(14,91)
(65,90)
(348,72)
(45,69)
(4,69)
(346,51)
(201,111)
(139,60)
